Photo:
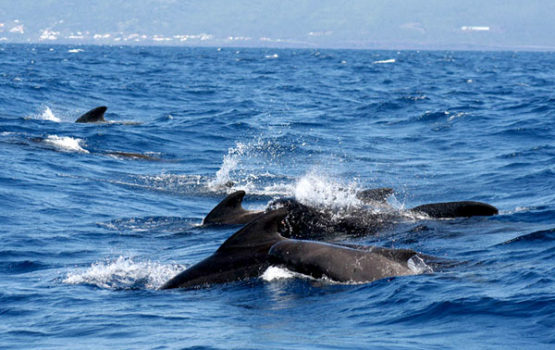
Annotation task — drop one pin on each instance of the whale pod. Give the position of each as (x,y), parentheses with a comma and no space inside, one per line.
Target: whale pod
(249,251)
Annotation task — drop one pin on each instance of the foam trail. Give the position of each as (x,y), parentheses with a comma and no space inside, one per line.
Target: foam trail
(65,143)
(124,273)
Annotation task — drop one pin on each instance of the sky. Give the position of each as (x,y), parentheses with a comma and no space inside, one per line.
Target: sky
(364,24)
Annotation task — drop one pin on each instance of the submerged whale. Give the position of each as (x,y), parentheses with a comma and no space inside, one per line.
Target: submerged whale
(252,249)
(51,143)
(308,222)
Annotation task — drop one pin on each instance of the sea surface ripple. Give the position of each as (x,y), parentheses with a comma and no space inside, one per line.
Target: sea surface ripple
(88,236)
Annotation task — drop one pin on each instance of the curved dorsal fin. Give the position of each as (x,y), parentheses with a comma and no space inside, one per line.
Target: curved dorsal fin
(260,232)
(95,115)
(230,206)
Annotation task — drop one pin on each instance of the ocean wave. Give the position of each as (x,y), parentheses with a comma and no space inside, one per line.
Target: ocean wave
(538,236)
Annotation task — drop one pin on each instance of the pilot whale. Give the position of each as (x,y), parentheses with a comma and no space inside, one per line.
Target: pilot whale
(231,212)
(95,115)
(345,264)
(252,249)
(308,222)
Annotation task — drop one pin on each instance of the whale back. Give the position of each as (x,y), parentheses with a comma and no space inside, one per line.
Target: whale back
(340,263)
(456,209)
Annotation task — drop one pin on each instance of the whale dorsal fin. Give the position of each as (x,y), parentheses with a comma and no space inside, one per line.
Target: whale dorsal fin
(229,207)
(95,115)
(261,232)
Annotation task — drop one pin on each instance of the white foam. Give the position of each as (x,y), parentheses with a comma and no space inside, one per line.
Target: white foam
(274,273)
(65,143)
(124,273)
(273,56)
(75,50)
(391,60)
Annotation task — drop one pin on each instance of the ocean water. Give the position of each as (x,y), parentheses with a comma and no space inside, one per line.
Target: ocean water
(89,237)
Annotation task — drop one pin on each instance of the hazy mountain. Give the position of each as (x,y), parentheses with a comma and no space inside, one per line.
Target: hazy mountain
(496,24)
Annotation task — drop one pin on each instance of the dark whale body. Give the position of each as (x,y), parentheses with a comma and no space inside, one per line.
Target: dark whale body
(341,263)
(248,252)
(95,115)
(241,256)
(456,209)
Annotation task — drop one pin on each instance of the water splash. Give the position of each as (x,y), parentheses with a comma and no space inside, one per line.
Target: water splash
(46,114)
(124,273)
(229,165)
(418,266)
(246,167)
(318,190)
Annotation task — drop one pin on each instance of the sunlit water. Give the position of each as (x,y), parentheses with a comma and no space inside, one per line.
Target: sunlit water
(88,237)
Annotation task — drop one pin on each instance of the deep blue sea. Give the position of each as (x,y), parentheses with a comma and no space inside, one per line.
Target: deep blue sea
(88,237)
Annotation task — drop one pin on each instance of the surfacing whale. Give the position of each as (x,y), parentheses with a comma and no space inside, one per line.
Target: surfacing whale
(252,249)
(96,115)
(307,222)
(231,212)
(243,255)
